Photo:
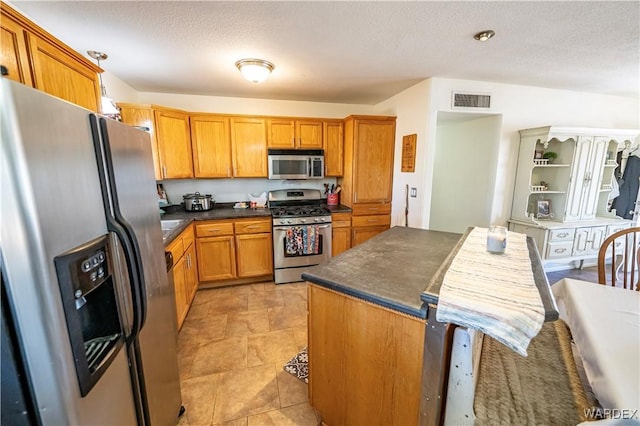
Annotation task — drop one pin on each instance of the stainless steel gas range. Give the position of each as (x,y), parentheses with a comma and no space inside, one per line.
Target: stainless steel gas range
(301,232)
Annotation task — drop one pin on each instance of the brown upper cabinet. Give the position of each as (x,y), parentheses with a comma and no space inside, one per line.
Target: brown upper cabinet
(368,147)
(226,146)
(249,146)
(333,144)
(174,143)
(211,144)
(294,133)
(170,138)
(36,58)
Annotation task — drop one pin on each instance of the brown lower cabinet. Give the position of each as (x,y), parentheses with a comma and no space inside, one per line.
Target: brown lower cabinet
(239,250)
(185,275)
(340,233)
(367,369)
(369,220)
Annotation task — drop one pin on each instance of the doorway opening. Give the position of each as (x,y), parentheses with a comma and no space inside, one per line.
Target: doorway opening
(464,171)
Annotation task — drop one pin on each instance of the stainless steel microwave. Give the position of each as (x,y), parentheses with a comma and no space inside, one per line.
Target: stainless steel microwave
(296,163)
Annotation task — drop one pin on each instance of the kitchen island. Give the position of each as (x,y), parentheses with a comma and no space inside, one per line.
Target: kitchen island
(376,353)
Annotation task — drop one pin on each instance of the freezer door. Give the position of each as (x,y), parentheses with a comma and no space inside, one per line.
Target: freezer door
(135,189)
(51,203)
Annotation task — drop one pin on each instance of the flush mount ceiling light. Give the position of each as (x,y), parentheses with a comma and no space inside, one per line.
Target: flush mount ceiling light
(255,70)
(484,35)
(108,105)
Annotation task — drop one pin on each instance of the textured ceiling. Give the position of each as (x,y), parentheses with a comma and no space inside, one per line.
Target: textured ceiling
(352,52)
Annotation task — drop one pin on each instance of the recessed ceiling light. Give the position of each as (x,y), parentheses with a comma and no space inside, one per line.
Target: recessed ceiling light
(484,35)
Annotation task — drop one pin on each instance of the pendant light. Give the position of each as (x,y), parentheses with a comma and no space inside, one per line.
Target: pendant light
(255,70)
(109,107)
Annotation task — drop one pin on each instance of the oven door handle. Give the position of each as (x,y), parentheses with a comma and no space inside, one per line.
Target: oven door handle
(284,227)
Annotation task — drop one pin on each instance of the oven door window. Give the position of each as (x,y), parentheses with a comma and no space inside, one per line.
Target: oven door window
(303,241)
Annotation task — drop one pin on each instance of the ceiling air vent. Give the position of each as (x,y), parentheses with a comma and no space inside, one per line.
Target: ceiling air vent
(471,100)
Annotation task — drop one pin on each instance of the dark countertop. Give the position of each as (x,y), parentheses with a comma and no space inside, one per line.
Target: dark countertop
(391,269)
(338,209)
(220,211)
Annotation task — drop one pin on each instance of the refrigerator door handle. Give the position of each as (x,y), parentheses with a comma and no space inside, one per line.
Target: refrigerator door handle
(118,224)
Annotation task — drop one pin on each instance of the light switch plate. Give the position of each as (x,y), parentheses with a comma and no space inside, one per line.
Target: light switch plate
(414,192)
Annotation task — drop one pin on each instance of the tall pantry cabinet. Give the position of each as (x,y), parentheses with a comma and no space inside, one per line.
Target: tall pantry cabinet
(368,174)
(562,200)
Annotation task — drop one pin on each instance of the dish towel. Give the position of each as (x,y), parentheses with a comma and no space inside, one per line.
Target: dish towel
(302,240)
(493,293)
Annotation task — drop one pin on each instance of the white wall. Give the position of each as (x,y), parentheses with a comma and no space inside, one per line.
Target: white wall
(232,190)
(117,89)
(464,171)
(217,104)
(525,107)
(521,107)
(411,109)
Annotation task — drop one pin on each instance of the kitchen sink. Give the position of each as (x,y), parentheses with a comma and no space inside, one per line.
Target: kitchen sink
(168,225)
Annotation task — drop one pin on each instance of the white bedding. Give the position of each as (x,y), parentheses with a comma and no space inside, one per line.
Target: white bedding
(605,325)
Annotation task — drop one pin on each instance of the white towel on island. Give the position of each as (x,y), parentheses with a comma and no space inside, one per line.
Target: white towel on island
(493,293)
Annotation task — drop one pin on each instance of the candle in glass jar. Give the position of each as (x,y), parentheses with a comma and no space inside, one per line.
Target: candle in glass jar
(497,239)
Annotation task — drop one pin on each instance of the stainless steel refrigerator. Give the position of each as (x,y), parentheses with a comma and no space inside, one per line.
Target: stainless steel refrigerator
(88,315)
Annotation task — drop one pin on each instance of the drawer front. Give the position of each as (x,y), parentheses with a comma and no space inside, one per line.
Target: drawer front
(214,229)
(176,248)
(253,227)
(372,208)
(561,234)
(559,250)
(377,220)
(612,229)
(340,220)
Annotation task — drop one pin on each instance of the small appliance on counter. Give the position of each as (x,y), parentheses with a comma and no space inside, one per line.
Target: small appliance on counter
(198,202)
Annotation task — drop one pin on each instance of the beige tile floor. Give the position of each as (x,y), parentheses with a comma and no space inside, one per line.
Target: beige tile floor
(231,350)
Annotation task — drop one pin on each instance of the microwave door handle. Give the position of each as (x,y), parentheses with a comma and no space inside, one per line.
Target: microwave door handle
(309,169)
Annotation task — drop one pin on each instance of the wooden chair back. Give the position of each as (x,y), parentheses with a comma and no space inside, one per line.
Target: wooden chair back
(621,249)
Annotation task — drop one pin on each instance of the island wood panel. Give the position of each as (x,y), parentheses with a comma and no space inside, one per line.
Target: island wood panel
(365,361)
(211,144)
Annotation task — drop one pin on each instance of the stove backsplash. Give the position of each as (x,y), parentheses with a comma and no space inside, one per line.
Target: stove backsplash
(238,189)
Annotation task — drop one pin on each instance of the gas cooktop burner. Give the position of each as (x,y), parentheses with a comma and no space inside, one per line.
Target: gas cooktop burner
(298,211)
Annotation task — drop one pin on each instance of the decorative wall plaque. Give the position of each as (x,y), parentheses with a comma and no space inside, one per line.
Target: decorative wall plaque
(409,153)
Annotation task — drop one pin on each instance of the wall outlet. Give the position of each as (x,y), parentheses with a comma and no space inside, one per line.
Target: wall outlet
(414,192)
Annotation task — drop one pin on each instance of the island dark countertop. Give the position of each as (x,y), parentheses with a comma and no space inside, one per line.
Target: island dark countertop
(392,269)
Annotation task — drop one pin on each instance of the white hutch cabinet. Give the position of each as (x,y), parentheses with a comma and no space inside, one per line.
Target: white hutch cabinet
(561,200)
